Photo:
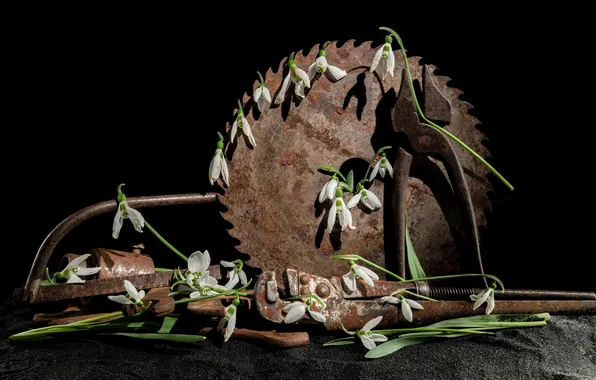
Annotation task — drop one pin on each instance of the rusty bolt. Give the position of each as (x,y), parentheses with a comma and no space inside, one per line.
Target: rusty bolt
(304,279)
(322,290)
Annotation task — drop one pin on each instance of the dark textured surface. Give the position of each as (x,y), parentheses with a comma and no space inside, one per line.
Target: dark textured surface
(564,349)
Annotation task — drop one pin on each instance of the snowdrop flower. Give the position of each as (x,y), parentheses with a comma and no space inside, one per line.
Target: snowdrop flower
(73,270)
(367,197)
(368,338)
(339,207)
(242,123)
(262,96)
(295,75)
(198,263)
(218,164)
(384,59)
(237,274)
(406,305)
(198,277)
(381,167)
(126,212)
(487,296)
(203,285)
(320,65)
(297,310)
(229,319)
(133,297)
(356,272)
(328,190)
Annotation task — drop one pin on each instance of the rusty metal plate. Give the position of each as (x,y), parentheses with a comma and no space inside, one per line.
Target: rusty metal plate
(272,202)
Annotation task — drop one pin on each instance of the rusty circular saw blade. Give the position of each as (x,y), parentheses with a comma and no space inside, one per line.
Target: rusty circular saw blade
(272,198)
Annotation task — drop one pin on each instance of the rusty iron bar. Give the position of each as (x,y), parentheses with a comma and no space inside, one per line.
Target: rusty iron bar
(354,314)
(273,338)
(44,252)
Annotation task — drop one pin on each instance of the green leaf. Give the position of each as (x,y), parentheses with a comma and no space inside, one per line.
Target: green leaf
(346,257)
(494,320)
(414,266)
(430,334)
(340,342)
(351,180)
(392,346)
(168,322)
(45,283)
(182,338)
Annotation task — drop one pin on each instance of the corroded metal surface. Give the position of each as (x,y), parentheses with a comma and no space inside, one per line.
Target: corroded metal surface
(101,287)
(273,338)
(121,264)
(273,206)
(29,293)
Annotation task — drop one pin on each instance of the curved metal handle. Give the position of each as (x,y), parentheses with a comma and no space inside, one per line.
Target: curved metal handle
(61,230)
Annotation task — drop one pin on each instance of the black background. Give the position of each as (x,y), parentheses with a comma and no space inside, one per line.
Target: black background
(97,97)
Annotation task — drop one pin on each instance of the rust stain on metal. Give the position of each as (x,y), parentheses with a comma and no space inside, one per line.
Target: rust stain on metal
(121,264)
(328,127)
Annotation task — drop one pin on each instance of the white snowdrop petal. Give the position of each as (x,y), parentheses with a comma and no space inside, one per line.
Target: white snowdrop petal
(481,300)
(373,199)
(77,261)
(335,73)
(74,279)
(407,311)
(354,200)
(312,70)
(295,314)
(350,281)
(372,323)
(390,61)
(317,316)
(234,130)
(257,94)
(284,89)
(389,168)
(367,342)
(117,224)
(413,304)
(376,59)
(331,217)
(374,172)
(231,325)
(194,262)
(378,338)
(292,305)
(243,279)
(131,290)
(390,299)
(369,272)
(332,188)
(121,299)
(225,172)
(88,271)
(227,264)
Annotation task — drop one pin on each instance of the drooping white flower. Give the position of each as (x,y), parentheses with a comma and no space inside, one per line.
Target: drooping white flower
(236,274)
(127,212)
(198,263)
(328,190)
(384,59)
(367,197)
(356,272)
(229,319)
(488,296)
(320,65)
(218,165)
(298,77)
(242,123)
(339,208)
(133,297)
(203,285)
(406,305)
(73,270)
(297,310)
(262,95)
(368,338)
(381,167)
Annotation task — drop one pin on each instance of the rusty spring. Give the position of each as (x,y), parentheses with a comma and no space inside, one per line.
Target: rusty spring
(446,292)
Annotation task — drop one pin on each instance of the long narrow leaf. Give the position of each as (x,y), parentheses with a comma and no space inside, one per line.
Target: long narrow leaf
(414,266)
(492,320)
(181,338)
(351,180)
(168,324)
(392,346)
(340,342)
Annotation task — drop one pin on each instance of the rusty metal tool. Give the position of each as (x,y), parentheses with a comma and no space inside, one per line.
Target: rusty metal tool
(273,338)
(425,141)
(354,309)
(31,291)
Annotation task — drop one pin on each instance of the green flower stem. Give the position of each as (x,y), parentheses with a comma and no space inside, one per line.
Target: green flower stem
(460,276)
(261,78)
(98,318)
(332,169)
(414,294)
(48,276)
(228,293)
(170,246)
(163,270)
(446,132)
(356,257)
(430,329)
(307,295)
